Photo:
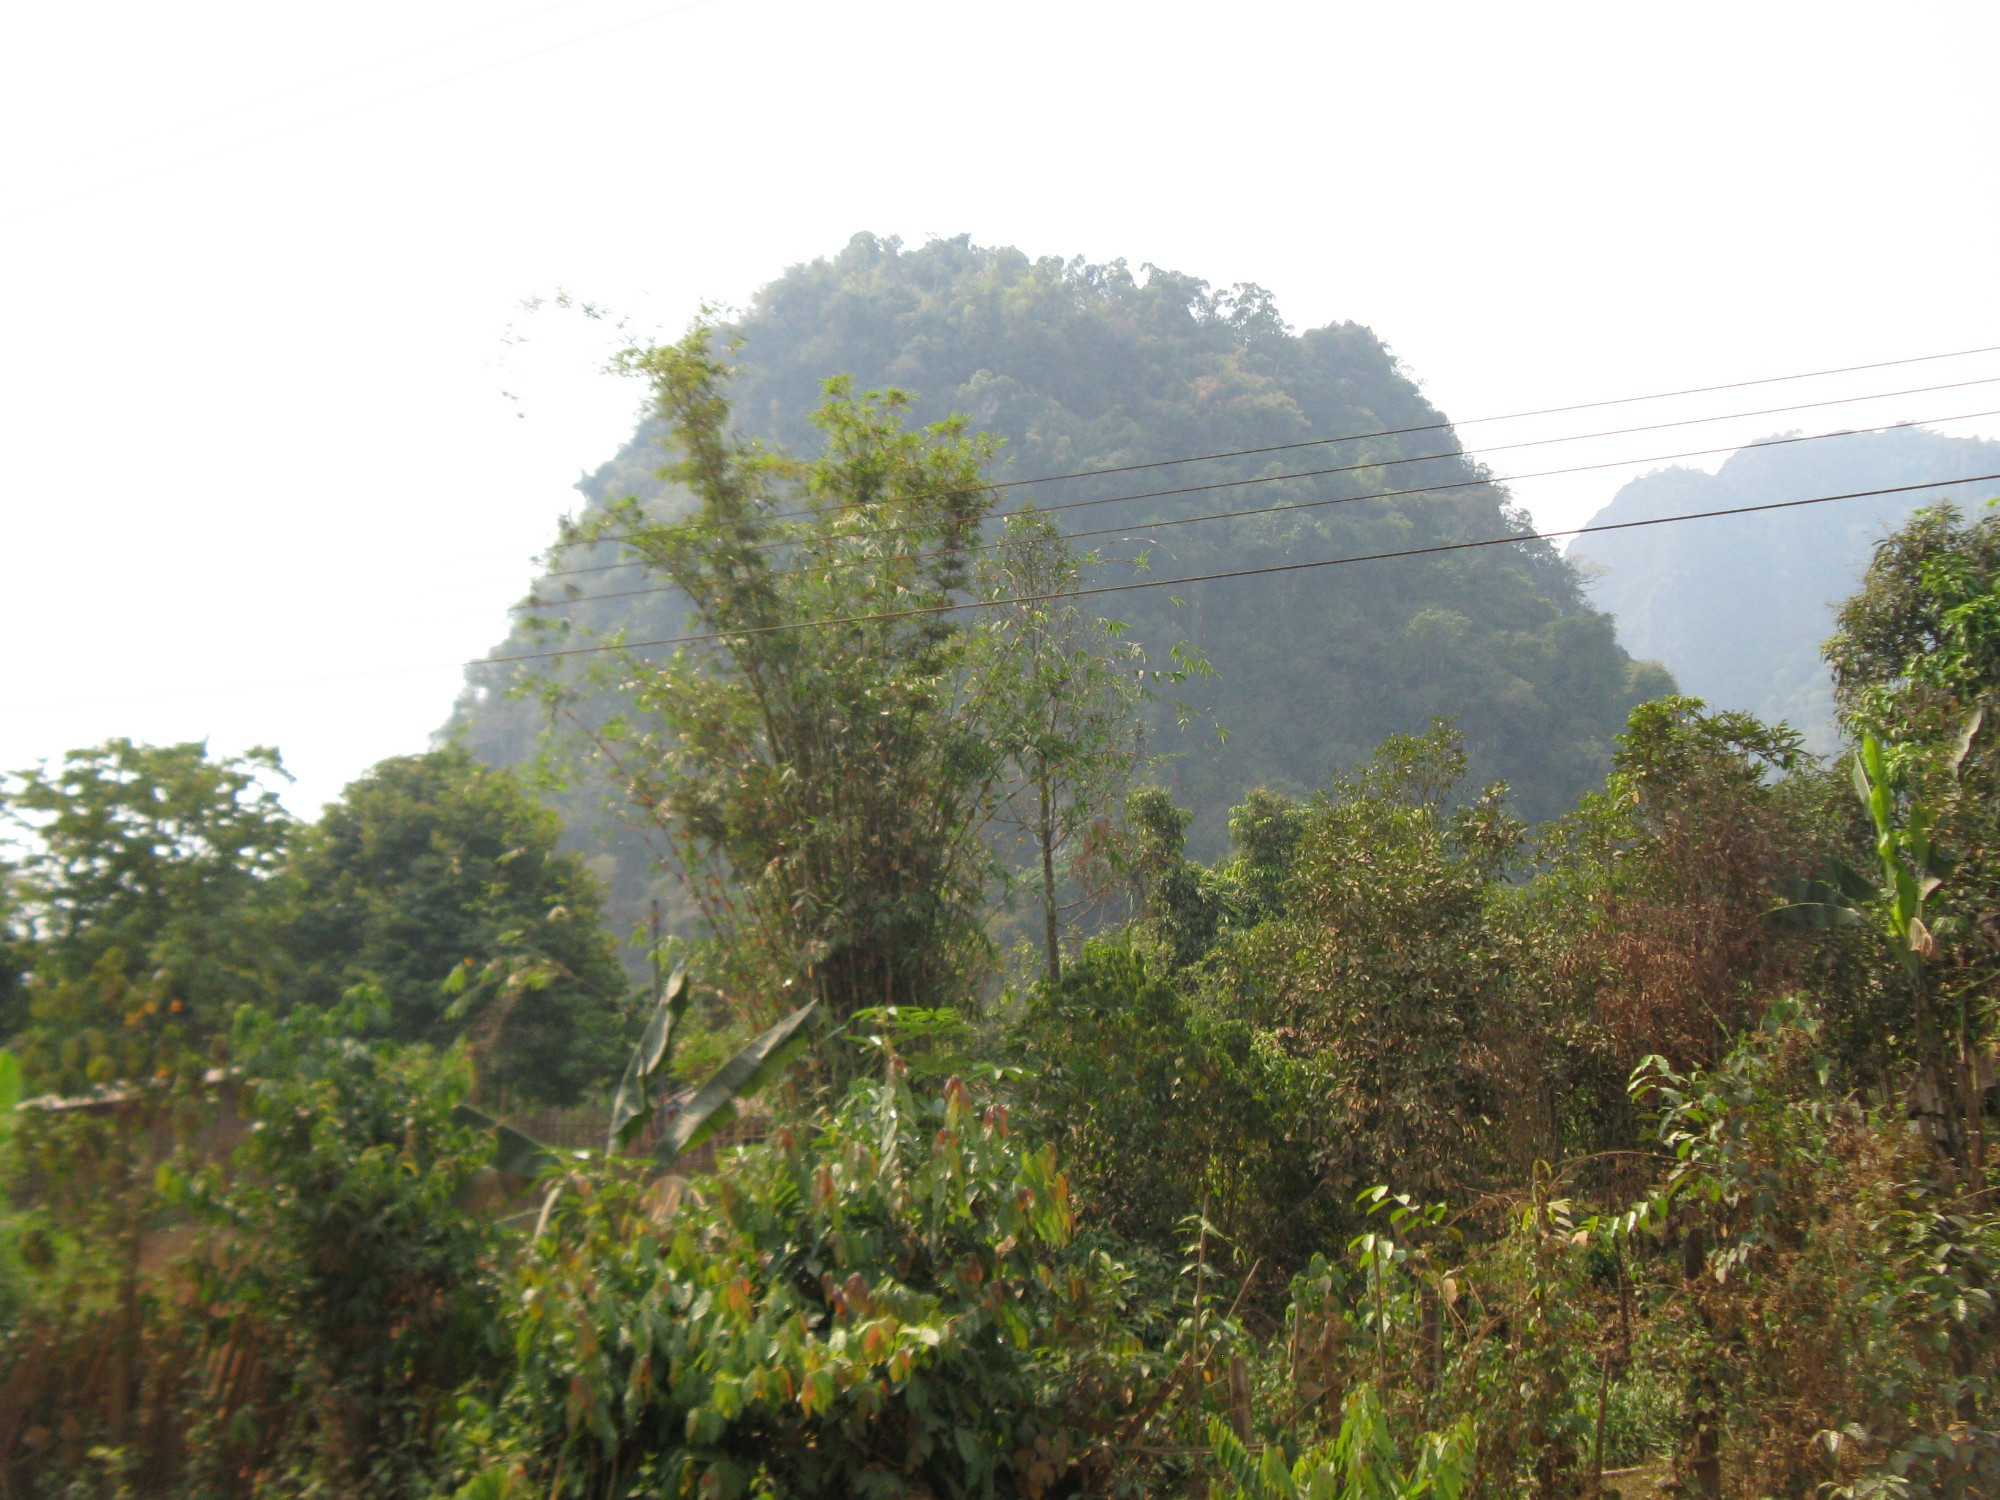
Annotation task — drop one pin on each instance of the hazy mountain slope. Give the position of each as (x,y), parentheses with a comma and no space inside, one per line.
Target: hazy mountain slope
(1092,367)
(1737,608)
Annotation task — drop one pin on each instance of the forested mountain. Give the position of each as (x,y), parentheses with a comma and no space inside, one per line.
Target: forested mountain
(1737,609)
(1085,367)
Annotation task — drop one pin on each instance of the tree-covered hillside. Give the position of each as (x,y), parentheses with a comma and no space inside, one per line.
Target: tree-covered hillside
(1096,367)
(1737,609)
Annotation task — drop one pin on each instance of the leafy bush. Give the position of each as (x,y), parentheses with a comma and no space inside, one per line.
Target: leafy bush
(1385,969)
(886,1306)
(1361,1462)
(353,1286)
(1161,1104)
(292,1318)
(434,877)
(1845,1307)
(92,1346)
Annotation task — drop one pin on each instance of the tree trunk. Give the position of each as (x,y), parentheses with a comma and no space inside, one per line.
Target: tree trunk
(1045,836)
(1702,1446)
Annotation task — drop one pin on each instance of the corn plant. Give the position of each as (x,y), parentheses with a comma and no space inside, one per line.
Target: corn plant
(1896,901)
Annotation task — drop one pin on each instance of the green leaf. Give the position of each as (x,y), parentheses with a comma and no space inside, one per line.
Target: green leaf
(1857,889)
(1820,903)
(493,1484)
(714,1106)
(10,1088)
(633,1105)
(1962,746)
(169,1183)
(514,1152)
(1873,759)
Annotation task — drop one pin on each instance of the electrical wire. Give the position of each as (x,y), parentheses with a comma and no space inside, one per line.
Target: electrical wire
(1510,539)
(1161,524)
(1268,570)
(1384,463)
(1356,437)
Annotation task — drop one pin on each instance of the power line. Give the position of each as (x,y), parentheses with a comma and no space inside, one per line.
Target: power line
(885,616)
(1384,463)
(355,109)
(1356,437)
(1296,505)
(1373,463)
(1110,588)
(1264,510)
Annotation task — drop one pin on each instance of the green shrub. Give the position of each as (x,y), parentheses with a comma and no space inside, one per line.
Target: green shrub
(1160,1103)
(886,1306)
(352,1280)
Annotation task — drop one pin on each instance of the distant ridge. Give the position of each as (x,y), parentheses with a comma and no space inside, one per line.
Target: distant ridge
(1737,611)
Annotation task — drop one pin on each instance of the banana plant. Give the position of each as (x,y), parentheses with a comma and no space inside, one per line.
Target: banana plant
(637,1101)
(745,1075)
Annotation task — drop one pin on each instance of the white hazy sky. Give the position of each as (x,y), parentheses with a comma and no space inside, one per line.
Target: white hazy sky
(257,479)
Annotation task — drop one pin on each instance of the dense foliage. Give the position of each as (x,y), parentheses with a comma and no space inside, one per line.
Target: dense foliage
(438,881)
(888,1304)
(147,878)
(1081,367)
(826,789)
(1161,1105)
(155,890)
(346,1272)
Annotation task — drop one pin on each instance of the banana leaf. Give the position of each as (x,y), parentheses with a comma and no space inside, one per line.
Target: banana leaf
(635,1102)
(714,1104)
(514,1152)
